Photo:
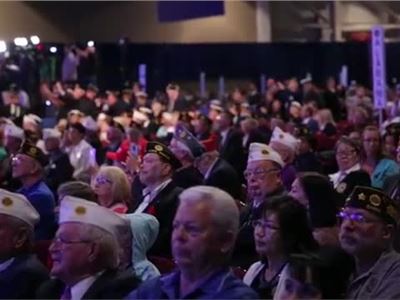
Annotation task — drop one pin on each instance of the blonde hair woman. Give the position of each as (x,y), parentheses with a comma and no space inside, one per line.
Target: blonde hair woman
(112,188)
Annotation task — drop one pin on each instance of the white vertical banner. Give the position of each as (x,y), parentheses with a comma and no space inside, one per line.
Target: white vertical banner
(263,84)
(379,66)
(202,84)
(142,72)
(221,87)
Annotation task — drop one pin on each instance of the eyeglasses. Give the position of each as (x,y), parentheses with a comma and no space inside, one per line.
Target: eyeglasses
(264,225)
(259,173)
(102,180)
(63,241)
(355,217)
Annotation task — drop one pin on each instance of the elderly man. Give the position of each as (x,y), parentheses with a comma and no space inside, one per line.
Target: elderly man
(59,168)
(85,254)
(160,196)
(263,175)
(205,228)
(20,272)
(186,148)
(368,223)
(28,166)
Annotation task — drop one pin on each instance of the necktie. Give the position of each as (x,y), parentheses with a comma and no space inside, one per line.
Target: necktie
(342,175)
(66,295)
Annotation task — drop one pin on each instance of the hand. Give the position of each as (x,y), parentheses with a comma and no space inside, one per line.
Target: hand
(132,163)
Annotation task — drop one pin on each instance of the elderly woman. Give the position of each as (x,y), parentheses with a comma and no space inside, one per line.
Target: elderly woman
(282,229)
(112,188)
(374,162)
(348,156)
(316,193)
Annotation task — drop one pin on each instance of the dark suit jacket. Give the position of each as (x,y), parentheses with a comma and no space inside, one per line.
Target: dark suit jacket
(111,284)
(346,186)
(22,278)
(187,177)
(224,176)
(164,207)
(232,151)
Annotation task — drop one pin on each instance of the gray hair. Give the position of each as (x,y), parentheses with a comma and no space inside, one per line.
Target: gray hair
(108,257)
(225,212)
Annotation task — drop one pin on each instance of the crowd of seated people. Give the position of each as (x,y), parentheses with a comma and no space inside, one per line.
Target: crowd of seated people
(294,193)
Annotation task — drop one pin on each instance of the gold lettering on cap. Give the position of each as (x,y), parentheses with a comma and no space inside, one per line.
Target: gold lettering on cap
(375,200)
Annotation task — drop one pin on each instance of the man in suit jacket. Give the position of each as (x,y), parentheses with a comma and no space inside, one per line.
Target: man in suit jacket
(160,195)
(218,173)
(21,273)
(230,147)
(264,181)
(85,254)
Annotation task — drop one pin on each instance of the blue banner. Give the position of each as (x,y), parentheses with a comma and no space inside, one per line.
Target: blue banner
(170,11)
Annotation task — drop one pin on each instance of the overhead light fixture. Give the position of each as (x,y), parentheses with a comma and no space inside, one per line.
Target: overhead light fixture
(3,46)
(53,49)
(21,41)
(35,40)
(90,44)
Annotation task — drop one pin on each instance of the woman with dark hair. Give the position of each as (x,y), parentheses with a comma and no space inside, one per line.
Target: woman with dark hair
(374,162)
(282,229)
(316,193)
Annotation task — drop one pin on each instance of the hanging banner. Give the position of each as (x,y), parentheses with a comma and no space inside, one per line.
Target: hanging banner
(379,66)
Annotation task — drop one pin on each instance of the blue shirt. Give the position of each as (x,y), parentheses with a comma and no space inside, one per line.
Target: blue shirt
(40,196)
(221,285)
(384,169)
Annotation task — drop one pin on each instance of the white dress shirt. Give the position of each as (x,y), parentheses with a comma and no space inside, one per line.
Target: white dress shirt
(150,195)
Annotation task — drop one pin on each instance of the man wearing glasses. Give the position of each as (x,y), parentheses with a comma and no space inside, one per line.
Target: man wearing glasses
(264,180)
(368,223)
(28,167)
(85,254)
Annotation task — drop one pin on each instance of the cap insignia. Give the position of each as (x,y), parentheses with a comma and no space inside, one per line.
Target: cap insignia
(7,201)
(375,200)
(80,210)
